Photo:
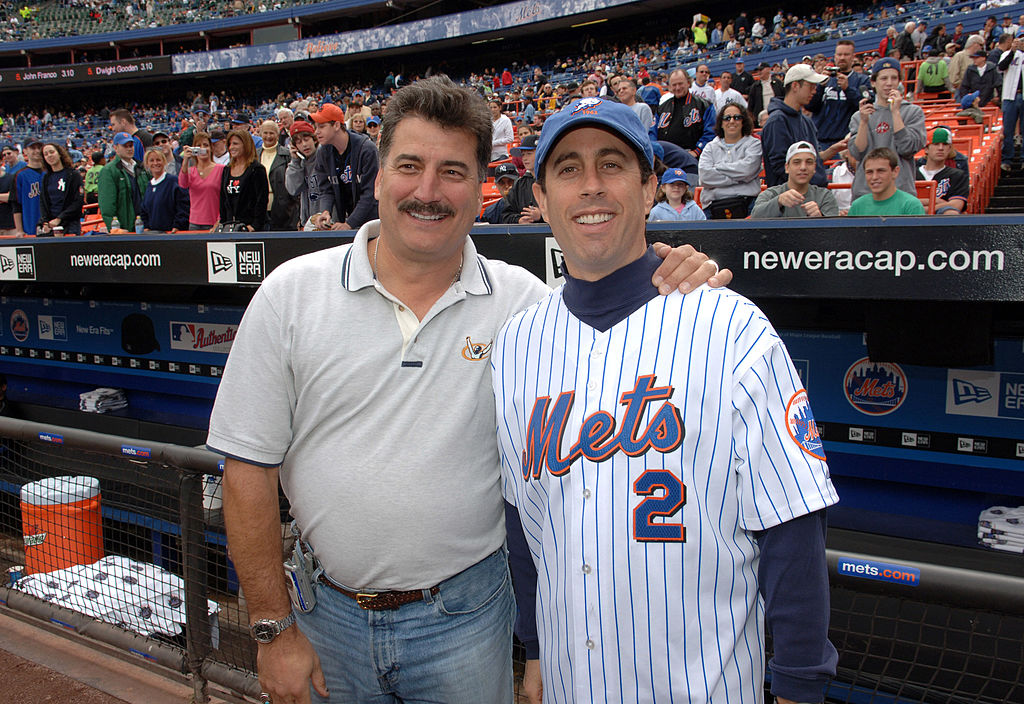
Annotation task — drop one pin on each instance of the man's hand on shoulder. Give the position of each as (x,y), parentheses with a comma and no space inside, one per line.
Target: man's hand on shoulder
(685,268)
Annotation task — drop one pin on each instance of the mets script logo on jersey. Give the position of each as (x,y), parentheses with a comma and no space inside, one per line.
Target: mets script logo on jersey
(476,351)
(598,439)
(942,188)
(692,117)
(875,388)
(882,128)
(586,103)
(801,426)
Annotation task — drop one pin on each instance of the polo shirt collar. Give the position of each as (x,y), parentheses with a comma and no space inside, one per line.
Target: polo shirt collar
(357,271)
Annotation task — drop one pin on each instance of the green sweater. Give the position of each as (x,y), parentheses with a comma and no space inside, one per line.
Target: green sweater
(899,203)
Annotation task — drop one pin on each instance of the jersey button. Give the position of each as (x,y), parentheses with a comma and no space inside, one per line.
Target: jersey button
(401,309)
(586,569)
(596,353)
(586,493)
(589,644)
(592,384)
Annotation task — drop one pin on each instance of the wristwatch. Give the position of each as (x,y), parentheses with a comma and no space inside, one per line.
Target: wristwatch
(265,629)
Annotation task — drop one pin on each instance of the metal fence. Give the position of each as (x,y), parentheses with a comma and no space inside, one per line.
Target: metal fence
(144,566)
(155,578)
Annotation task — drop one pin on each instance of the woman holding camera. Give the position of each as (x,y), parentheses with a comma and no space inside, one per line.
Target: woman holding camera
(201,178)
(60,196)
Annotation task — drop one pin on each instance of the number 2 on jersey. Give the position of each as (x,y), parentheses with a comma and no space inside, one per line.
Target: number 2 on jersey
(669,503)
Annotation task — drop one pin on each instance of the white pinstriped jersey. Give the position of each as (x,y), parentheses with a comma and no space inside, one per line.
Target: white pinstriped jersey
(652,450)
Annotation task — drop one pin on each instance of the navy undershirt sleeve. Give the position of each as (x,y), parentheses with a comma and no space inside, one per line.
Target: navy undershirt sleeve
(793,579)
(524,582)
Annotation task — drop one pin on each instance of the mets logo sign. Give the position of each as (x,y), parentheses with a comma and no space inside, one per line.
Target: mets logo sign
(19,325)
(875,388)
(801,426)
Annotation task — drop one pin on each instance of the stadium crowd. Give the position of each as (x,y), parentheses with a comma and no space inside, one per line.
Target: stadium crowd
(67,18)
(718,135)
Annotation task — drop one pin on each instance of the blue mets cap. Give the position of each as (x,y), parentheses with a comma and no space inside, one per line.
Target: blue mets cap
(123,138)
(882,64)
(675,176)
(616,117)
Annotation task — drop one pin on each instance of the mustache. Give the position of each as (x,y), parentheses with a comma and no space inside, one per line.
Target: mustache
(413,205)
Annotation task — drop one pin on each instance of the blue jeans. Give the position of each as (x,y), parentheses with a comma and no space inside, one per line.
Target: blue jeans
(453,648)
(1013,113)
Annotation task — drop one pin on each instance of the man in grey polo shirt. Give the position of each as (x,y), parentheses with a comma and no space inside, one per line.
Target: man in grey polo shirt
(360,377)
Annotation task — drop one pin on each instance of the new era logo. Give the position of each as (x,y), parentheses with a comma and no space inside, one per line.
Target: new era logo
(966,392)
(17,263)
(219,262)
(236,262)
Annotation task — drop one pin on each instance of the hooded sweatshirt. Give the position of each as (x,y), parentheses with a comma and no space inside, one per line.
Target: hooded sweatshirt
(906,143)
(786,126)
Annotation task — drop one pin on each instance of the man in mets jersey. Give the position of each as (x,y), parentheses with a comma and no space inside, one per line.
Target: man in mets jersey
(665,478)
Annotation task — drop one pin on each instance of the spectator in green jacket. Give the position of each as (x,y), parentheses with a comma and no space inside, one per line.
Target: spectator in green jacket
(121,184)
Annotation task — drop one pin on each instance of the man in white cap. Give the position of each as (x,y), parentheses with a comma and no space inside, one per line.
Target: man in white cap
(797,197)
(787,124)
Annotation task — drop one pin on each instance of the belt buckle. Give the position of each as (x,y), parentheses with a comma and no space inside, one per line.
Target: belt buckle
(365,599)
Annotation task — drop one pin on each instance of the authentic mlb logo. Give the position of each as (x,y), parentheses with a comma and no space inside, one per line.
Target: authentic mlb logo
(235,262)
(17,263)
(202,337)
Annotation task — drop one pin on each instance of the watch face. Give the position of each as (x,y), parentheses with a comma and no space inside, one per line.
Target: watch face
(263,632)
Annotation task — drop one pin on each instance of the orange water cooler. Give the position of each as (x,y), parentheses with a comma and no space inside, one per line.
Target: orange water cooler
(62,523)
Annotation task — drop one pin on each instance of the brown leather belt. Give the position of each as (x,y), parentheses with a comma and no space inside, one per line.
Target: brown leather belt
(381,601)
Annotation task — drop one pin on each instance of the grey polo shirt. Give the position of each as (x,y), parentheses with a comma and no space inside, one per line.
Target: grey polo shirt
(388,457)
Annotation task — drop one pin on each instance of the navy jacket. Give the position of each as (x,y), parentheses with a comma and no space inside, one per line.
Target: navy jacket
(833,108)
(363,162)
(165,206)
(787,126)
(688,122)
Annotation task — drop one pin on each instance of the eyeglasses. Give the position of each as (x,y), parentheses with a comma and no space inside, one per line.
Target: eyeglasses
(730,118)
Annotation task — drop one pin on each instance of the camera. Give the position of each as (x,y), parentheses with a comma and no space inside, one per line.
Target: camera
(832,70)
(200,151)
